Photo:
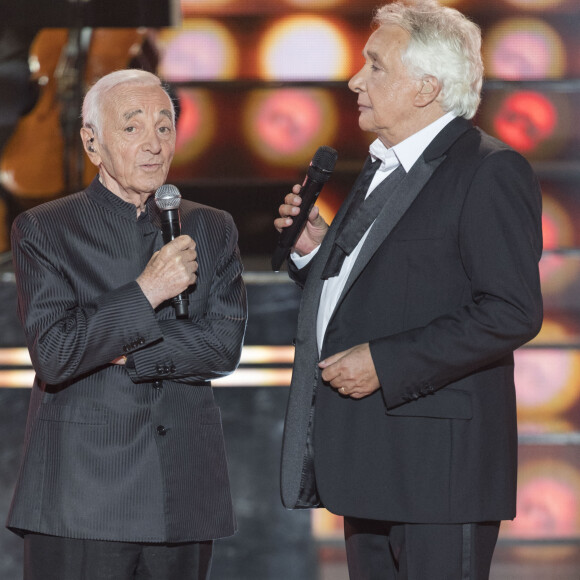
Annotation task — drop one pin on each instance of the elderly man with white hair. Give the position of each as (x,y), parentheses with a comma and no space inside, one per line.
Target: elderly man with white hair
(402,411)
(124,473)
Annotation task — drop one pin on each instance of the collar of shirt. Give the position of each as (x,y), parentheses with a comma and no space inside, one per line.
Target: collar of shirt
(408,151)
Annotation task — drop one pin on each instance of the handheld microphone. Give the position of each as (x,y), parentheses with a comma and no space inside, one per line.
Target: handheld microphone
(168,198)
(318,174)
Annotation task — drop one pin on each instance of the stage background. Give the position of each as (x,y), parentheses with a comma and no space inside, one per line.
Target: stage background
(260,85)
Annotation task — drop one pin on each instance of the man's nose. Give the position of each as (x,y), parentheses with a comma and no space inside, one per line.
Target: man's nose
(355,84)
(152,142)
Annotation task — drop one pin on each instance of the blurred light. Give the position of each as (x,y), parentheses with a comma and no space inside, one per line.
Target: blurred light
(314,4)
(267,355)
(191,6)
(256,378)
(252,356)
(523,48)
(555,333)
(535,4)
(304,48)
(557,227)
(201,49)
(286,126)
(196,125)
(547,380)
(547,507)
(328,204)
(525,120)
(326,525)
(557,271)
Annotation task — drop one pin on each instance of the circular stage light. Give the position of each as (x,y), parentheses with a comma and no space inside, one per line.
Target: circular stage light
(304,48)
(557,271)
(202,49)
(523,48)
(196,125)
(286,126)
(546,380)
(531,122)
(548,507)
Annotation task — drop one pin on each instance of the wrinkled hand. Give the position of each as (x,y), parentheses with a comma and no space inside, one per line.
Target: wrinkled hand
(351,372)
(169,271)
(315,229)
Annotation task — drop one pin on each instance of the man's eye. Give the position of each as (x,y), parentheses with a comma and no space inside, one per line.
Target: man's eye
(165,129)
(130,129)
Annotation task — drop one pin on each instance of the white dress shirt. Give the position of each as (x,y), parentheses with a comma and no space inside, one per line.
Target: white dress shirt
(405,153)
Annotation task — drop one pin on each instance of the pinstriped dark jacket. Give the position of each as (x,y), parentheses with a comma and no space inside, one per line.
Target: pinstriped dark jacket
(136,452)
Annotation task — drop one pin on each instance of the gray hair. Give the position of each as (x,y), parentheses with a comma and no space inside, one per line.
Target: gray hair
(443,43)
(93,102)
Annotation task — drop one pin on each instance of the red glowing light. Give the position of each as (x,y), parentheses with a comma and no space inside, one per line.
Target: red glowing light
(547,508)
(549,232)
(284,125)
(525,120)
(196,125)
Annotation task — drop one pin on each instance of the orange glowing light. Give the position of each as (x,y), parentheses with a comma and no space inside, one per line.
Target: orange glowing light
(535,4)
(285,126)
(524,48)
(557,227)
(314,4)
(304,48)
(194,6)
(525,120)
(554,332)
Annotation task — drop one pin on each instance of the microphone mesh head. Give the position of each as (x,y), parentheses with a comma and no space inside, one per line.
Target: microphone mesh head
(167,197)
(325,158)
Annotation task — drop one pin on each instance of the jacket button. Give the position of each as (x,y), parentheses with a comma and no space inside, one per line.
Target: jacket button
(158,385)
(161,430)
(141,341)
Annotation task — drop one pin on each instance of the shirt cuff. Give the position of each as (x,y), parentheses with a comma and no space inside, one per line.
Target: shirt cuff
(302,261)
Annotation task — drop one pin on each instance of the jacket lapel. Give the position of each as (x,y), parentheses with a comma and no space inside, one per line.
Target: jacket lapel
(404,195)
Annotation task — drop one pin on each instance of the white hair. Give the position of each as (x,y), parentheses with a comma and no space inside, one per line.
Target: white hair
(444,44)
(93,102)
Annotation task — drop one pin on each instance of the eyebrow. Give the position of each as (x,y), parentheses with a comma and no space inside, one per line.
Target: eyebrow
(131,114)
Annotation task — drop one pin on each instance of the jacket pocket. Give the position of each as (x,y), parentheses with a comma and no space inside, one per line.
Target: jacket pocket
(443,404)
(72,414)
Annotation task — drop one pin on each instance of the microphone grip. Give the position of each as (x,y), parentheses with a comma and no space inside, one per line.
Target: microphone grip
(171,229)
(288,236)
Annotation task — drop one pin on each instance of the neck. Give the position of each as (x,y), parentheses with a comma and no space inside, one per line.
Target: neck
(139,200)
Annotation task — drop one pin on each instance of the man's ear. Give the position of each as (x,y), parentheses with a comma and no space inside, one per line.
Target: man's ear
(429,89)
(90,145)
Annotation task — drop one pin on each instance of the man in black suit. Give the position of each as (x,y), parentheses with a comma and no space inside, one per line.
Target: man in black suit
(402,410)
(124,472)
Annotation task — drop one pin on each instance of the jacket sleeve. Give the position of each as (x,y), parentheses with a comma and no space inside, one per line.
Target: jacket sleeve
(207,345)
(500,243)
(66,339)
